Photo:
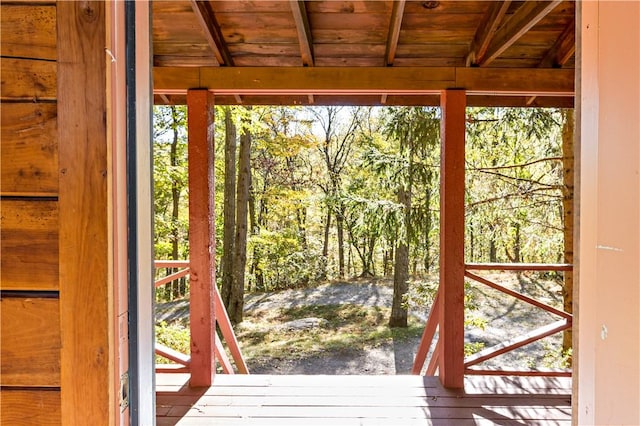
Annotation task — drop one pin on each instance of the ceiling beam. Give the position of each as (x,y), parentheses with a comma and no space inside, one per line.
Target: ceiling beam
(301,19)
(394,31)
(486,30)
(364,80)
(560,52)
(209,24)
(523,19)
(374,100)
(563,49)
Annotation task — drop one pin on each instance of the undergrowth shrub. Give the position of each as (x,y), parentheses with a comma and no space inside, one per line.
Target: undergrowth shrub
(174,336)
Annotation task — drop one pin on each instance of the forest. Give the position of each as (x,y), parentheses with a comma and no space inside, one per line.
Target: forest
(306,195)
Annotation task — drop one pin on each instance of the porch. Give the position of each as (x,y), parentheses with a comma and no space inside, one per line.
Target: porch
(362,400)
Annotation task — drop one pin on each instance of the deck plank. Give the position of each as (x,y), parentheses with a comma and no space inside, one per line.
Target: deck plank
(356,412)
(363,400)
(171,421)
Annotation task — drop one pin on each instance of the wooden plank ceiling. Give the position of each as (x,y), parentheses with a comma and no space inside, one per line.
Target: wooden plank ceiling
(456,43)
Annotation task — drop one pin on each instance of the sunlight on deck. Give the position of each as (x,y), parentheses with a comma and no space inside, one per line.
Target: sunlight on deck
(363,400)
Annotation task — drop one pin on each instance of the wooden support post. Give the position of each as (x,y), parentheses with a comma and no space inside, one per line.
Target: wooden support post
(201,235)
(451,338)
(86,319)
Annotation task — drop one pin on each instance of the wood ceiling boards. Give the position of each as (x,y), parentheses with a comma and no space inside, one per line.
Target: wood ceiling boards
(268,37)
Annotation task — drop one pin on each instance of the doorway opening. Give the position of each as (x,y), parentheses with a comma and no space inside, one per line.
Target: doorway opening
(322,178)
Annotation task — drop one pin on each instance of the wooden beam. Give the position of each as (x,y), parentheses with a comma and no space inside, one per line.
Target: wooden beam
(87,349)
(222,357)
(563,49)
(301,19)
(228,334)
(452,189)
(394,31)
(486,30)
(202,241)
(517,342)
(427,337)
(172,355)
(434,362)
(209,24)
(519,266)
(560,52)
(488,100)
(529,14)
(363,81)
(172,277)
(544,372)
(491,81)
(519,296)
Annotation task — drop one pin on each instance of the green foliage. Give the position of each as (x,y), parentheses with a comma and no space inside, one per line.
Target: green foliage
(514,185)
(472,348)
(304,166)
(423,293)
(170,193)
(175,336)
(555,357)
(285,264)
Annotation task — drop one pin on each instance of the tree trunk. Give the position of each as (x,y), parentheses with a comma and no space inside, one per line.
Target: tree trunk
(175,202)
(229,214)
(253,226)
(567,206)
(371,265)
(517,245)
(387,260)
(256,266)
(340,232)
(236,302)
(493,250)
(472,254)
(325,246)
(428,225)
(399,312)
(301,218)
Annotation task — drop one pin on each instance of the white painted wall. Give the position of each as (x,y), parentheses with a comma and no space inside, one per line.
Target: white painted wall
(608,300)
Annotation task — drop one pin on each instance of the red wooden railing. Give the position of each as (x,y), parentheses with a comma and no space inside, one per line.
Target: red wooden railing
(183,361)
(432,325)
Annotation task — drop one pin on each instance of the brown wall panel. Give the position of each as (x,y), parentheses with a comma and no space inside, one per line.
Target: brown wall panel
(30,407)
(29,245)
(29,149)
(30,342)
(27,79)
(28,31)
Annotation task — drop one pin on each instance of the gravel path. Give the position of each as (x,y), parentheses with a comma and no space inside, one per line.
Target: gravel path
(341,293)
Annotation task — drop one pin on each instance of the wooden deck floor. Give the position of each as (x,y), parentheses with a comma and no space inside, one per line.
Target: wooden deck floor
(362,400)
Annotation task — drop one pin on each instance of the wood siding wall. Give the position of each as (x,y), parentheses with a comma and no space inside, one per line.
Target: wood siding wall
(30,310)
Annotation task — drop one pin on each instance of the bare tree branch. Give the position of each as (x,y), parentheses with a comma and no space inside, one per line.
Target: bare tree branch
(514,166)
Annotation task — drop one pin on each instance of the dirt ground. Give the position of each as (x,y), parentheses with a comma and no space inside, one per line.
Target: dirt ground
(505,318)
